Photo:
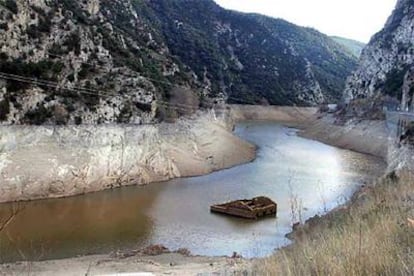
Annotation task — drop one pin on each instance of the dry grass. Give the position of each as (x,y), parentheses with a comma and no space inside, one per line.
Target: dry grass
(372,236)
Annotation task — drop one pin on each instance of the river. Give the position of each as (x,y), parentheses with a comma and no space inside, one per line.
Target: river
(303,176)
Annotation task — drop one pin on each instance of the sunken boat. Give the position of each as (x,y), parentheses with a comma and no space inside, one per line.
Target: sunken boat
(247,208)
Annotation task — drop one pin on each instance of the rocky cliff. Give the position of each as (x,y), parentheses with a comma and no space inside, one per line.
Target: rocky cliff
(81,62)
(139,61)
(385,70)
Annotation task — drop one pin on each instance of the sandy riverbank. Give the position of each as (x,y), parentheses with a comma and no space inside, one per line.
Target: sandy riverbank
(165,264)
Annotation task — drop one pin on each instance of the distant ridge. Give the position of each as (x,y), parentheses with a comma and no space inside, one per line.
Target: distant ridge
(355,47)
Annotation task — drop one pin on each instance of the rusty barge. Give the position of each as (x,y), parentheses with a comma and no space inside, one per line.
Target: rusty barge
(247,208)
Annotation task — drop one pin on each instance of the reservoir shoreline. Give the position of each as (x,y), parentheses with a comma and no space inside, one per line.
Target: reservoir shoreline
(293,117)
(53,162)
(368,137)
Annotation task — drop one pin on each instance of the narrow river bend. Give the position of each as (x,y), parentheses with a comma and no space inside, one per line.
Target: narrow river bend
(300,174)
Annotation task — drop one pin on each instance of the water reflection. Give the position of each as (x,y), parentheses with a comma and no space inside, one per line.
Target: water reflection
(176,213)
(78,225)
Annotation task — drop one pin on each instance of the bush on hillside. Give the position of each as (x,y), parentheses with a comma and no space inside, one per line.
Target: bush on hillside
(12,6)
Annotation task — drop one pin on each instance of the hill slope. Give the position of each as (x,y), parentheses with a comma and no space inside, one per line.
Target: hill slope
(355,47)
(135,61)
(251,57)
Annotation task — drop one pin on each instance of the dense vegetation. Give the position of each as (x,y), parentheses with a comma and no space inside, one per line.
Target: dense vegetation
(248,56)
(11,5)
(392,86)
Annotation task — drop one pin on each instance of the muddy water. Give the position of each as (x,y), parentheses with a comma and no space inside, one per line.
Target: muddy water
(305,177)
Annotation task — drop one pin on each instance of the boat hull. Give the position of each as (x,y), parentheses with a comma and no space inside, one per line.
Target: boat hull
(249,209)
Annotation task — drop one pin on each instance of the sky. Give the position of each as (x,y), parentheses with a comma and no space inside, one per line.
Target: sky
(355,19)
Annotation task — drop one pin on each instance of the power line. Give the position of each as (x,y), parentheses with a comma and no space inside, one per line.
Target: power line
(83,90)
(51,84)
(94,92)
(158,103)
(87,91)
(129,33)
(90,91)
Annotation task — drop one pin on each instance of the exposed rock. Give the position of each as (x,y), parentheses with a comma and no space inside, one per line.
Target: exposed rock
(408,84)
(87,57)
(56,161)
(123,61)
(386,62)
(156,249)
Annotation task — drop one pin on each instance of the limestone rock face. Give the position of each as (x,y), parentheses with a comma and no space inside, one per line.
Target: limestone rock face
(387,58)
(56,161)
(72,57)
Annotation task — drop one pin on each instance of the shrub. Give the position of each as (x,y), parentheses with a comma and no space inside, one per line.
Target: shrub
(71,77)
(394,82)
(73,43)
(83,73)
(32,31)
(78,120)
(37,116)
(12,6)
(57,49)
(3,56)
(4,26)
(57,67)
(143,106)
(44,24)
(4,109)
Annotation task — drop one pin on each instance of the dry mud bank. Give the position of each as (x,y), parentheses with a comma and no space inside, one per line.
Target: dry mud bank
(369,137)
(49,162)
(292,116)
(165,264)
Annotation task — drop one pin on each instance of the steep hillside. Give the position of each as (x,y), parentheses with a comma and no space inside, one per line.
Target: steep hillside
(386,65)
(81,62)
(252,57)
(355,47)
(138,61)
